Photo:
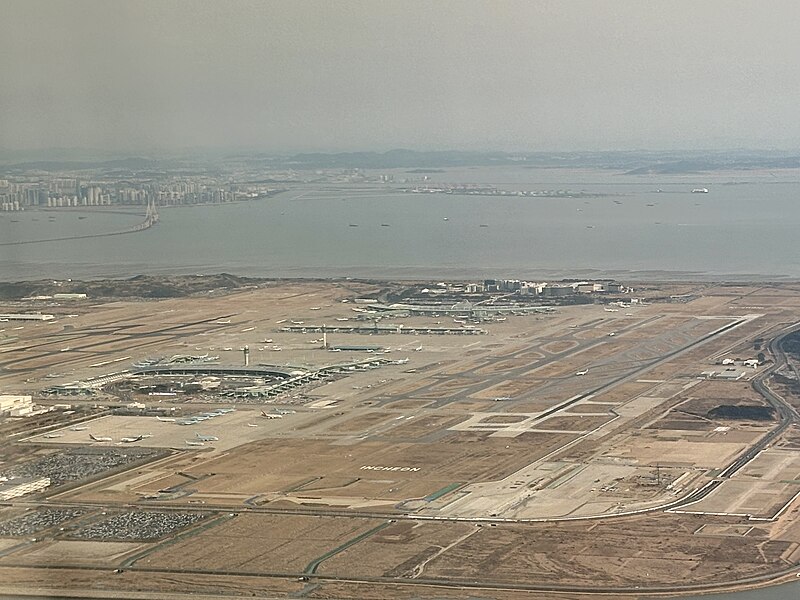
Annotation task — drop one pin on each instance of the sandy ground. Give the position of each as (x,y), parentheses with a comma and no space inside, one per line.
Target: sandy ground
(494,426)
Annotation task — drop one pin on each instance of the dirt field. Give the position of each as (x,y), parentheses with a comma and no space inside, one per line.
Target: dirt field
(436,464)
(261,544)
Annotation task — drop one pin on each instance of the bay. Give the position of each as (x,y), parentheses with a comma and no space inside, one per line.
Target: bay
(744,228)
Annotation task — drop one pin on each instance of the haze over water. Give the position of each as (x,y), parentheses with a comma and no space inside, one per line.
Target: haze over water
(744,228)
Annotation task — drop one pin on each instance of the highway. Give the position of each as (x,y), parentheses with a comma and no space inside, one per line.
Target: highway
(786,413)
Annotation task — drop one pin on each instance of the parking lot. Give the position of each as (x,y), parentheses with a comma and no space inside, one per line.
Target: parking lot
(40,520)
(79,463)
(138,525)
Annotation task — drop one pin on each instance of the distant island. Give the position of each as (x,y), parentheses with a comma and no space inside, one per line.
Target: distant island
(414,161)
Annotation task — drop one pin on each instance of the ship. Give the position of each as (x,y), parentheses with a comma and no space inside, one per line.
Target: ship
(700,191)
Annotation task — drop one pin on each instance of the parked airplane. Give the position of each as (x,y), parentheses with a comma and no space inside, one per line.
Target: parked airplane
(166,419)
(78,428)
(584,372)
(206,438)
(100,438)
(252,425)
(269,416)
(130,440)
(194,443)
(53,435)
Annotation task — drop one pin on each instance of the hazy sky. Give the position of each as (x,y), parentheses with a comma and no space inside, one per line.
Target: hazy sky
(288,76)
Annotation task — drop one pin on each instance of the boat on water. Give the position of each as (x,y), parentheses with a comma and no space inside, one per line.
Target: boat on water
(384,225)
(700,191)
(353,225)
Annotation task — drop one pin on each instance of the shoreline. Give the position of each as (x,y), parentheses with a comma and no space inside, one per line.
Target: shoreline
(408,273)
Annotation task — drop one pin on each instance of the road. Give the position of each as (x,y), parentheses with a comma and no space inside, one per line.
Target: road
(786,413)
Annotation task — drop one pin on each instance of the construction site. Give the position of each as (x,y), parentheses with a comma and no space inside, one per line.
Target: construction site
(311,439)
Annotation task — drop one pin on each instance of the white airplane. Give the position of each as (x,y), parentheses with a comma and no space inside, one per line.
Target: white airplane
(269,416)
(611,309)
(100,438)
(78,428)
(402,361)
(194,443)
(53,435)
(252,425)
(166,419)
(584,372)
(130,440)
(418,349)
(206,438)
